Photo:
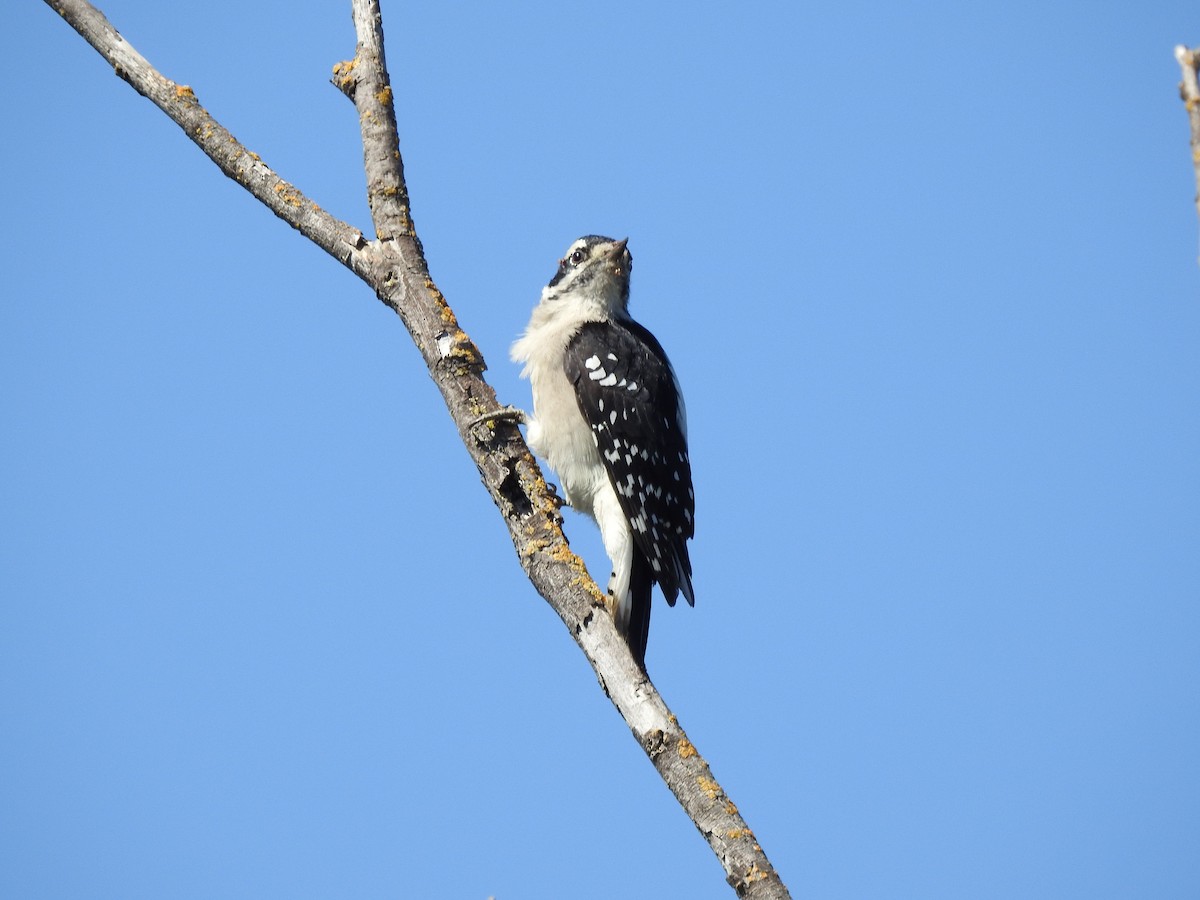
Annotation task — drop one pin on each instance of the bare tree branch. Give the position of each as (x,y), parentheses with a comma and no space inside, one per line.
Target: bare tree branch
(1189,90)
(387,192)
(394,266)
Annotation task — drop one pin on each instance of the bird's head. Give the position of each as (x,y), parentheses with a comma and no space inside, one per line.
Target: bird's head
(595,270)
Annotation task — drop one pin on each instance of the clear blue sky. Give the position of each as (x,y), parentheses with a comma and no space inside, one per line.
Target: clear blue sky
(929,276)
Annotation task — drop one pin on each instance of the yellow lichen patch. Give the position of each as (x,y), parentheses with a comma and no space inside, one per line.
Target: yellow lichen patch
(183,92)
(385,95)
(444,310)
(755,874)
(710,787)
(549,505)
(288,194)
(536,546)
(343,71)
(464,352)
(686,749)
(735,834)
(731,810)
(562,553)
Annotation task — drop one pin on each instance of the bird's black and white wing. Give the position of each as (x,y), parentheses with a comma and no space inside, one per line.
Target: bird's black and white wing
(629,396)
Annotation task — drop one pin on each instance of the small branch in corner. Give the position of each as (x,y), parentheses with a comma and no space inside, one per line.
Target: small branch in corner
(343,77)
(1189,91)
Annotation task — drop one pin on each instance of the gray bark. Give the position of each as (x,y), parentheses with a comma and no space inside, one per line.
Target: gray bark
(1189,90)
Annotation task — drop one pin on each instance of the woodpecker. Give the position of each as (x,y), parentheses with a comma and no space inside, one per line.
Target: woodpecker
(608,416)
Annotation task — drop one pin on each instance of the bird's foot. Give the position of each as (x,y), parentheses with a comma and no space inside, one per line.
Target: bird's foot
(504,413)
(558,499)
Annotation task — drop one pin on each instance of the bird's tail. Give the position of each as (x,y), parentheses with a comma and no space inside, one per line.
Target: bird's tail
(637,622)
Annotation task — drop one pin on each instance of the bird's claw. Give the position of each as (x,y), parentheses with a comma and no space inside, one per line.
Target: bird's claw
(504,413)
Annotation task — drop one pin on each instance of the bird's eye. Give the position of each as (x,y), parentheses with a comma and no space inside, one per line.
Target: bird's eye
(577,257)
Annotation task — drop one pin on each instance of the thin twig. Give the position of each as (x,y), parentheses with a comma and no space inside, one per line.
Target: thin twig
(387,192)
(394,266)
(1189,90)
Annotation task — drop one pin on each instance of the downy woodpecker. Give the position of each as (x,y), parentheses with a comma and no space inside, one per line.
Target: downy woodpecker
(608,417)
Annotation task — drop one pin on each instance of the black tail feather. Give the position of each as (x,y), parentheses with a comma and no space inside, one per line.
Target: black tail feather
(641,584)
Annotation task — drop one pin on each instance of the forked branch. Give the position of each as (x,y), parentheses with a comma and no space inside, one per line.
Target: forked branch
(394,266)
